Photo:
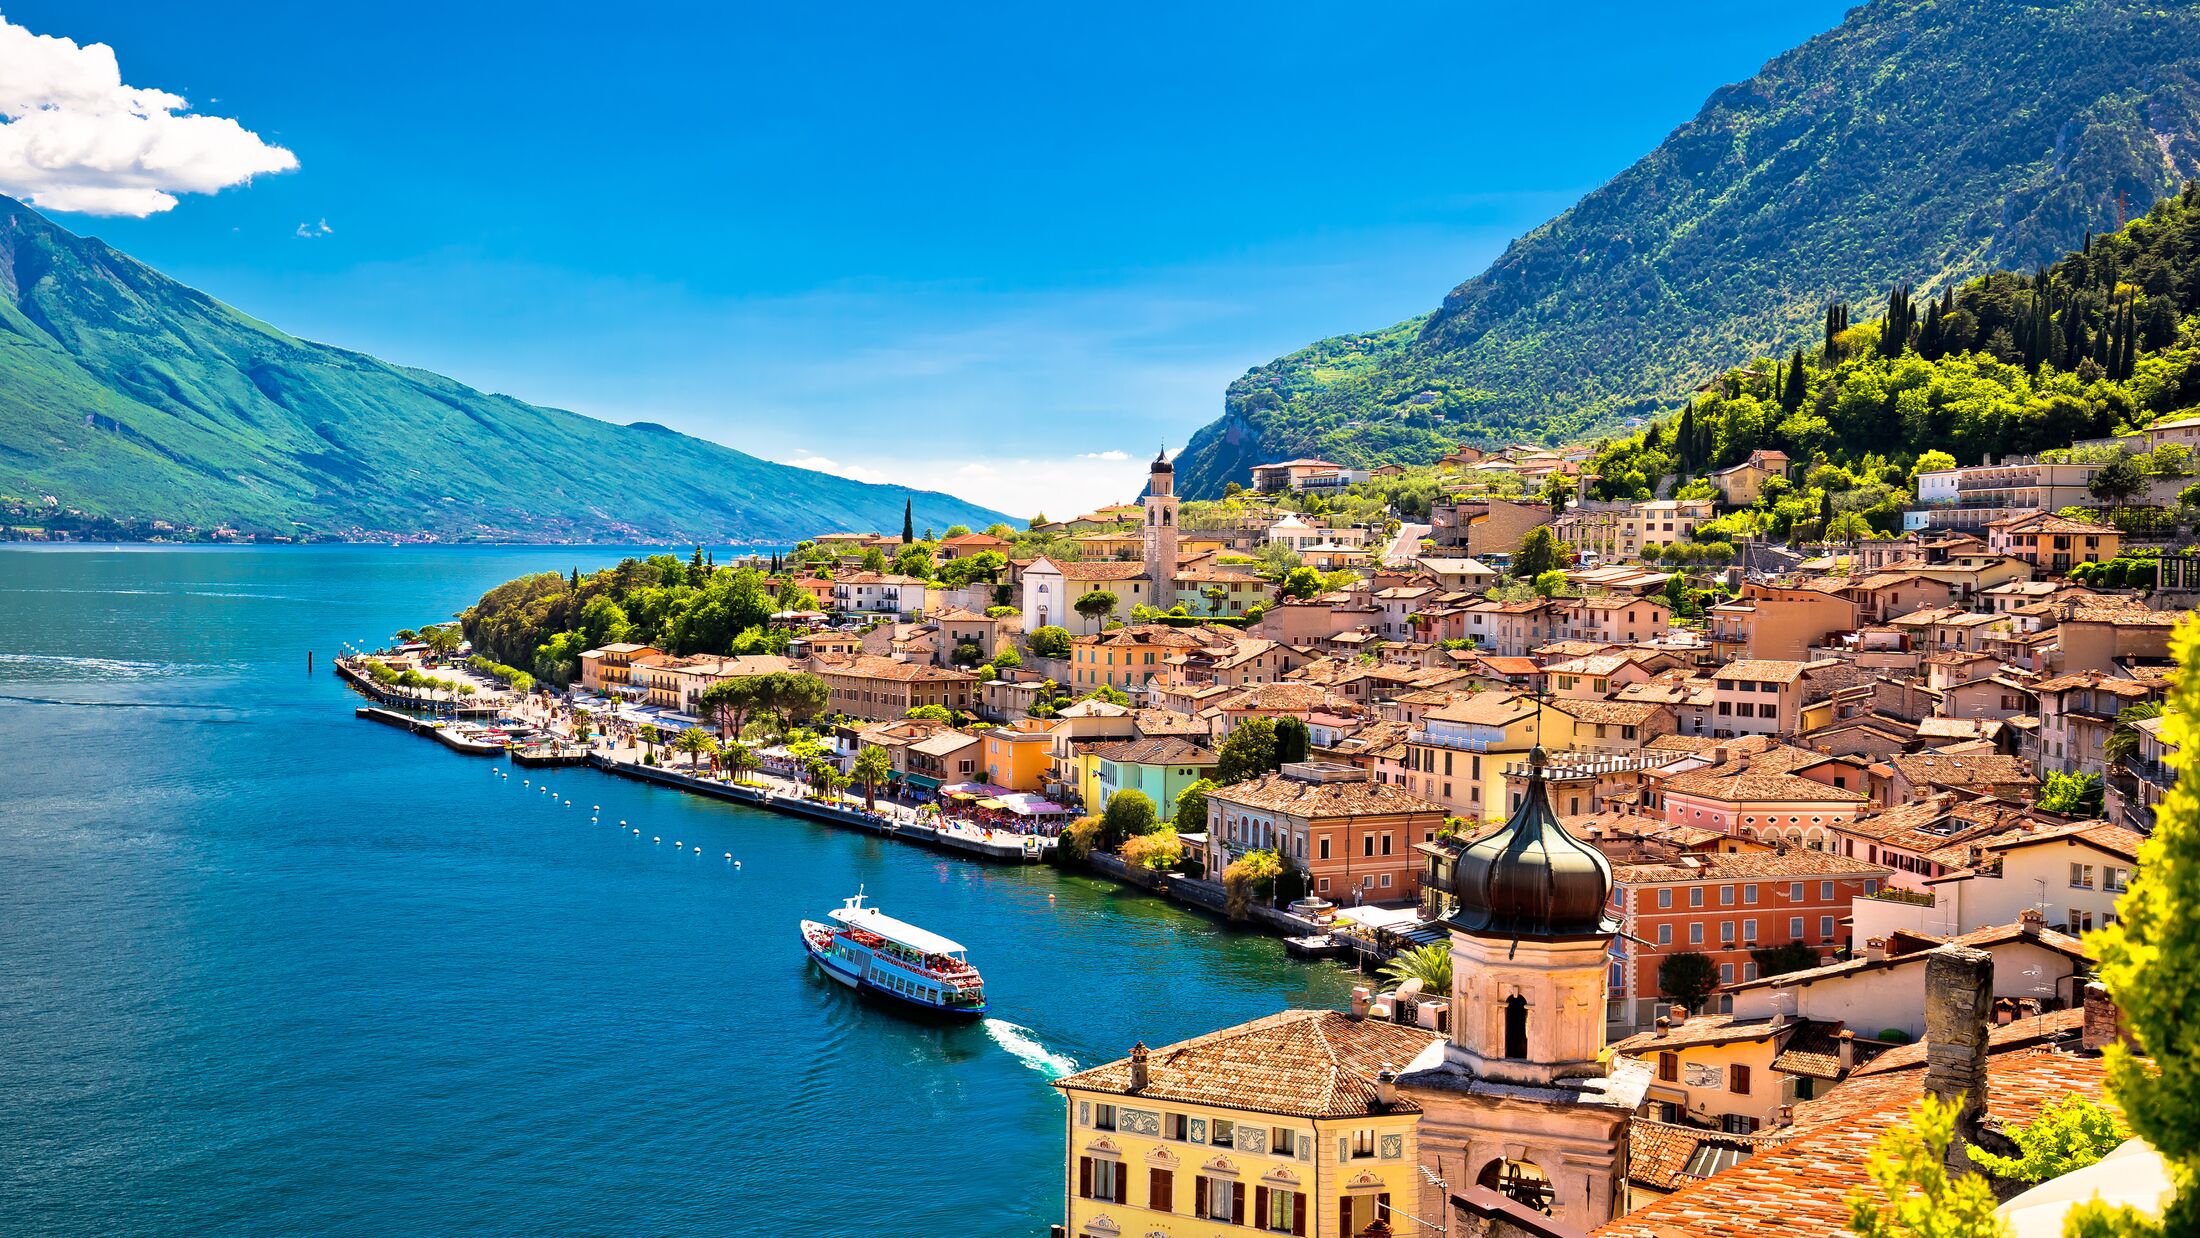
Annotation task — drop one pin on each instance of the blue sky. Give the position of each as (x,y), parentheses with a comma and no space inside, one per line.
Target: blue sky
(997,250)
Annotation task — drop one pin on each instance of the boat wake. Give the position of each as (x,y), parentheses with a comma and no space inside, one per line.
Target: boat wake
(1025,1048)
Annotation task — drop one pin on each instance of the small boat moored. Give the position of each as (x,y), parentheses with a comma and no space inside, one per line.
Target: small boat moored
(870,951)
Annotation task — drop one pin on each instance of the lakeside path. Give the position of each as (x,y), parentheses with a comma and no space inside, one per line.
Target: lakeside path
(622,755)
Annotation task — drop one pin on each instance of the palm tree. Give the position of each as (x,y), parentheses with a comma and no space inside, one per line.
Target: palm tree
(2123,736)
(872,767)
(693,741)
(650,737)
(740,758)
(1430,964)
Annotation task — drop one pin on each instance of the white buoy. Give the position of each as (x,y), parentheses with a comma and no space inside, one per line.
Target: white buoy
(675,842)
(736,863)
(729,855)
(595,808)
(656,838)
(698,851)
(623,823)
(637,833)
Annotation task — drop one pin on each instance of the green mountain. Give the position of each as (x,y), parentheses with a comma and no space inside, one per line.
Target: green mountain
(1923,141)
(124,393)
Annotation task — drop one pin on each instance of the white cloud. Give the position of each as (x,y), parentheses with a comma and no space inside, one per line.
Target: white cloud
(1110,454)
(309,232)
(825,464)
(75,138)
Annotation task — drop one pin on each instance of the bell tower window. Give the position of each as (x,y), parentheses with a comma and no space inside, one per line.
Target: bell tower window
(1516,1027)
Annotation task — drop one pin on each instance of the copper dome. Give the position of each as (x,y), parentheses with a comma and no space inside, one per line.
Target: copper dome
(1161,463)
(1532,878)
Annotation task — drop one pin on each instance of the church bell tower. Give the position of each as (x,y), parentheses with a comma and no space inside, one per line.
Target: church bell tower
(1522,1101)
(1161,530)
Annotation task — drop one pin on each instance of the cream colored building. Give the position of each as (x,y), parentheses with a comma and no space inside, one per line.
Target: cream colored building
(1291,1124)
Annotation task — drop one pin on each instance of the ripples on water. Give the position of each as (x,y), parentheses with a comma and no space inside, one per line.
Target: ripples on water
(265,969)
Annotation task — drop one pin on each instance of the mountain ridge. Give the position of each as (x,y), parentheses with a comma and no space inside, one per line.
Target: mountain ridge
(126,393)
(1921,141)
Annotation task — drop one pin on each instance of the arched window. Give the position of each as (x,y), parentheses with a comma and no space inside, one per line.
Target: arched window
(1521,1181)
(1516,1027)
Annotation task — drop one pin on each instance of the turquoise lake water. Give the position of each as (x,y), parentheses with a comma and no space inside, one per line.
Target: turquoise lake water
(266,969)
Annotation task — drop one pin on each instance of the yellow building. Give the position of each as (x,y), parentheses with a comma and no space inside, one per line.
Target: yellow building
(1291,1124)
(1125,658)
(1018,760)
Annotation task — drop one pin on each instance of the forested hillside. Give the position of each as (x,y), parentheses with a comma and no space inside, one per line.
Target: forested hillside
(1923,141)
(2104,341)
(126,394)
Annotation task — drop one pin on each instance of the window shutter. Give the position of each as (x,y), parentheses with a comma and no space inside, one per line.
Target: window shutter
(1084,1177)
(1159,1191)
(1298,1213)
(1382,1210)
(1122,1184)
(1237,1203)
(1260,1206)
(1741,1079)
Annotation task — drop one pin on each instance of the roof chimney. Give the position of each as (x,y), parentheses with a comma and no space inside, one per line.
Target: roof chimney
(1878,948)
(2031,920)
(1785,1116)
(1386,1086)
(2104,1021)
(1846,1053)
(1678,1013)
(1361,998)
(1718,755)
(1138,1067)
(1959,996)
(1664,1025)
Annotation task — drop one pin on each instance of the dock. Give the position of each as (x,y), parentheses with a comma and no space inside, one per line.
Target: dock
(1002,849)
(439,731)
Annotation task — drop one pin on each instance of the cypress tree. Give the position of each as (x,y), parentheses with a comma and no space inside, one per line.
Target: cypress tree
(908,521)
(573,580)
(1684,441)
(1792,398)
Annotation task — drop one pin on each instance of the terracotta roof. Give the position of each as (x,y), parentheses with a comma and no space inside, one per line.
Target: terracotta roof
(1735,783)
(1157,750)
(1659,1154)
(1094,571)
(1760,669)
(1300,1063)
(1152,722)
(943,743)
(1996,935)
(1965,769)
(1611,713)
(1802,1186)
(1355,798)
(1815,1051)
(2114,839)
(1486,709)
(872,666)
(1748,865)
(2049,1028)
(1712,1029)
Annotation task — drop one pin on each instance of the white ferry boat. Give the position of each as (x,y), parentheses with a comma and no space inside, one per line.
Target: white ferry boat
(870,951)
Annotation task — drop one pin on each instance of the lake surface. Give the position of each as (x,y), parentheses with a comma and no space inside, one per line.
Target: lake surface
(267,969)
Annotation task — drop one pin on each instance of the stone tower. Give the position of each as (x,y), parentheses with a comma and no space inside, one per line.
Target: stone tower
(1161,530)
(1520,1102)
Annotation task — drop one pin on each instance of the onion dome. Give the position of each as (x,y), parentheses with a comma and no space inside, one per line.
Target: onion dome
(1161,463)
(1532,878)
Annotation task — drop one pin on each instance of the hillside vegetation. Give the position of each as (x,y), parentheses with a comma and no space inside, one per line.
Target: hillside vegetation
(1922,141)
(2102,342)
(126,394)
